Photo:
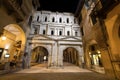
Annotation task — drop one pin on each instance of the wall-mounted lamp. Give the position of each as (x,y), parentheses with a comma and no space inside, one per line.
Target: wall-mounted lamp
(3,37)
(98,51)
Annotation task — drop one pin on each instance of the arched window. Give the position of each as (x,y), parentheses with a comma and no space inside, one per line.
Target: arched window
(67,20)
(60,32)
(53,19)
(43,31)
(45,19)
(76,33)
(60,20)
(38,18)
(52,32)
(68,33)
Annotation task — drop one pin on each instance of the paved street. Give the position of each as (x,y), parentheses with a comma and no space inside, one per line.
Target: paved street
(40,72)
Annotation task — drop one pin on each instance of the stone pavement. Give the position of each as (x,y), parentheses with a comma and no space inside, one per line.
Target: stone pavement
(40,72)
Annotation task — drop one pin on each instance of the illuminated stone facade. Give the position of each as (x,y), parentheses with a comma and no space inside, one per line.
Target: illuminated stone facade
(56,32)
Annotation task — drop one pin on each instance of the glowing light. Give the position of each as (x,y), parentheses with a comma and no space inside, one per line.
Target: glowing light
(7,46)
(89,52)
(98,51)
(3,37)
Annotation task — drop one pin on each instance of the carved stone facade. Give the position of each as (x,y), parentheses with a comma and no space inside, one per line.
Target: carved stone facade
(56,32)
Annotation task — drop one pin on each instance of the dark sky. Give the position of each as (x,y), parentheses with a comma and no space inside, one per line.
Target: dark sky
(59,5)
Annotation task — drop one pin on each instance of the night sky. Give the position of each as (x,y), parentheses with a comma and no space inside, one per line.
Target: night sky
(59,5)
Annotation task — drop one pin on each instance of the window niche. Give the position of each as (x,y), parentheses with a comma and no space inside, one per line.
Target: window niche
(67,20)
(46,19)
(60,32)
(36,29)
(60,20)
(52,32)
(76,33)
(38,18)
(44,32)
(68,33)
(53,19)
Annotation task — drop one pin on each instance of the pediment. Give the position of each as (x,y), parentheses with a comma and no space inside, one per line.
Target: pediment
(41,37)
(71,38)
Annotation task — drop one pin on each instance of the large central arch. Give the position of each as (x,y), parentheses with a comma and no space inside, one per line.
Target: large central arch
(71,55)
(39,55)
(78,49)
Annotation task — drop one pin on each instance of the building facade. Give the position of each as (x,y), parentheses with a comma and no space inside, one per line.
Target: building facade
(14,27)
(58,34)
(99,22)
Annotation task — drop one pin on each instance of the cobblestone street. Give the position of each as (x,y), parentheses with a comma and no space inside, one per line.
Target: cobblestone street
(40,72)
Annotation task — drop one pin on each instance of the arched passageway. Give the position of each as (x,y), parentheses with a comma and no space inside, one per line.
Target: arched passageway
(70,55)
(39,55)
(12,42)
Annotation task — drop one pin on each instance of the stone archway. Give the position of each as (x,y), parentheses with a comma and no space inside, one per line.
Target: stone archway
(39,55)
(78,49)
(15,41)
(71,55)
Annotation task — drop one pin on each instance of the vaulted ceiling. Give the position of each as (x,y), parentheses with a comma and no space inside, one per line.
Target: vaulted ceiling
(59,5)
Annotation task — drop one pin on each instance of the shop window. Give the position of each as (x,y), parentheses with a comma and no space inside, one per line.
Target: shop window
(68,33)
